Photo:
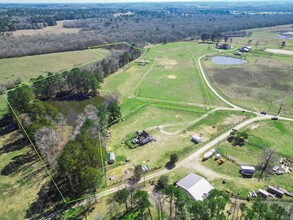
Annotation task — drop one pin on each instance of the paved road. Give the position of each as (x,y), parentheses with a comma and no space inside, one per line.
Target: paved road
(195,157)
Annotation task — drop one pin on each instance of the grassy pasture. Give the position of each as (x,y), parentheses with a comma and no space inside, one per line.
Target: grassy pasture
(267,37)
(20,186)
(32,66)
(3,106)
(172,75)
(217,122)
(261,84)
(57,29)
(272,134)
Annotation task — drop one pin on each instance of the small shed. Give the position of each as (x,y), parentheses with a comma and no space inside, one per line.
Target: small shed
(112,158)
(275,191)
(196,139)
(263,193)
(247,170)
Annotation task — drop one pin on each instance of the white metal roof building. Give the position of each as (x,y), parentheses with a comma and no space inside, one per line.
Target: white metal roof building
(196,139)
(196,186)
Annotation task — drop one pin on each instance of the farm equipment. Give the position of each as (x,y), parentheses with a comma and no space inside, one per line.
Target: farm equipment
(220,162)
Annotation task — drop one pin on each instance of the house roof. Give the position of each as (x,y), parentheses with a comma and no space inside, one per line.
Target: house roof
(144,134)
(195,137)
(197,186)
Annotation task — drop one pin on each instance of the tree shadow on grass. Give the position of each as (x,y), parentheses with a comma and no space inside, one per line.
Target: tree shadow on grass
(14,146)
(48,205)
(18,163)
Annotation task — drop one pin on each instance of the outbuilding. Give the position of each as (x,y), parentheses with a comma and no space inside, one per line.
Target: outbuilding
(247,170)
(275,191)
(111,158)
(196,186)
(263,193)
(196,139)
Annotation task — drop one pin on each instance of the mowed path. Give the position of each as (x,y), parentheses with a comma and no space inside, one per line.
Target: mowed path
(194,159)
(279,51)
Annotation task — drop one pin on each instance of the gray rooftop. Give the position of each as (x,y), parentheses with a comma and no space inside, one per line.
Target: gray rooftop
(188,181)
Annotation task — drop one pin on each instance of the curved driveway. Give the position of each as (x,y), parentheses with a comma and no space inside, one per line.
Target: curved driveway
(195,157)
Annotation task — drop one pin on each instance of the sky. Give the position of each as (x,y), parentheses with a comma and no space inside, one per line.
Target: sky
(97,1)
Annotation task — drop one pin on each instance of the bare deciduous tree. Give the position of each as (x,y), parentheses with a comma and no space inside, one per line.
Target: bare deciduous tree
(113,96)
(49,143)
(265,167)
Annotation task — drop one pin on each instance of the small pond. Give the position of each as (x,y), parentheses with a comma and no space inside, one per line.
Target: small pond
(222,60)
(72,109)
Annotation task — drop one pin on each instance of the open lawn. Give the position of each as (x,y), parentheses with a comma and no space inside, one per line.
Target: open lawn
(217,122)
(22,175)
(32,66)
(277,135)
(172,75)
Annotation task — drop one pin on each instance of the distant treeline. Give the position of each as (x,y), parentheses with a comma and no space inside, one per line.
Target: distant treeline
(147,23)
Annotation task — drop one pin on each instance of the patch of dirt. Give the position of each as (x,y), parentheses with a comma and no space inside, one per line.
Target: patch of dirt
(172,77)
(279,51)
(168,63)
(233,119)
(256,125)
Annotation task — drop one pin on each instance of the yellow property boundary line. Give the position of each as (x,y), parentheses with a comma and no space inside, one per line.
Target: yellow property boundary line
(100,144)
(30,140)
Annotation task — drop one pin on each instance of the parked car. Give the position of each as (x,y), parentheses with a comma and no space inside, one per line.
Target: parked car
(275,168)
(280,172)
(263,113)
(274,118)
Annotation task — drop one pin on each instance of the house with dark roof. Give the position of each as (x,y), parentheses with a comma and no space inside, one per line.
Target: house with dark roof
(142,137)
(196,186)
(223,46)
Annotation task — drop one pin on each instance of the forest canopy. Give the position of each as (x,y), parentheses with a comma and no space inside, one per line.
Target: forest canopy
(138,23)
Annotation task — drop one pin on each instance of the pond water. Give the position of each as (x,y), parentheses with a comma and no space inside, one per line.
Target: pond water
(72,109)
(222,60)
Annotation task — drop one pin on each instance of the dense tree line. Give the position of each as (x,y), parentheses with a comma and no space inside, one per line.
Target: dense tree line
(33,113)
(80,163)
(75,81)
(149,23)
(172,202)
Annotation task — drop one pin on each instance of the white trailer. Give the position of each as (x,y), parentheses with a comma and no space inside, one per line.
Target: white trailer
(247,169)
(209,154)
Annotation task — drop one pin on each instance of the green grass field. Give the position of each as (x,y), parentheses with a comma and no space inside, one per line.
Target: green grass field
(20,186)
(172,75)
(32,66)
(277,135)
(262,83)
(271,134)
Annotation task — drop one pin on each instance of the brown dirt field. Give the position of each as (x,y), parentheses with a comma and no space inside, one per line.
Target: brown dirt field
(47,30)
